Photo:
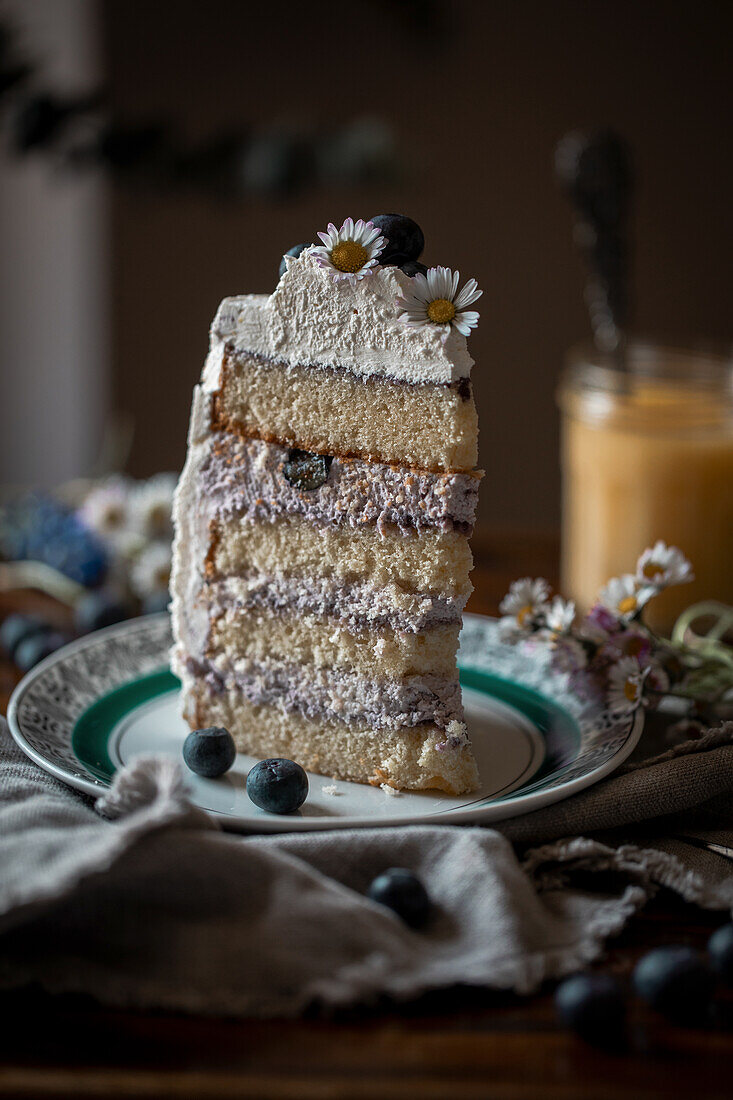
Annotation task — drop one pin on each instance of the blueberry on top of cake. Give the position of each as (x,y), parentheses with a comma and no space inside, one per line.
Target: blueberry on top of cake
(321,560)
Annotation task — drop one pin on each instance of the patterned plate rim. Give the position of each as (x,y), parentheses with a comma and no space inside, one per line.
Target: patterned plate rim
(603,749)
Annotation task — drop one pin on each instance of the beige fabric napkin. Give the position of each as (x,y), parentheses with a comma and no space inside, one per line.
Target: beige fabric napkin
(158,908)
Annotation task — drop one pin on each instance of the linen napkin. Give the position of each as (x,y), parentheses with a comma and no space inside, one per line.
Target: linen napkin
(154,906)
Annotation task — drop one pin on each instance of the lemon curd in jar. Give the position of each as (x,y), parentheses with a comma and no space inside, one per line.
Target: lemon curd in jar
(647,454)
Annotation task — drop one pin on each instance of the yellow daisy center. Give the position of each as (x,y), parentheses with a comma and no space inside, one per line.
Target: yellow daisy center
(441,311)
(158,518)
(630,690)
(114,516)
(522,615)
(349,256)
(652,570)
(627,605)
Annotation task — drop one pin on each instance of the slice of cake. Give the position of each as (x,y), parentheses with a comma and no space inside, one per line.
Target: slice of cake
(321,560)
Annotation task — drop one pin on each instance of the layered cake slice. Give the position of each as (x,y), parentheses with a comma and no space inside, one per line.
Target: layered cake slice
(321,559)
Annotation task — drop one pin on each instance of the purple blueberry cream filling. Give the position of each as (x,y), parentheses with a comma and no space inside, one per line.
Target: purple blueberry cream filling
(258,481)
(344,696)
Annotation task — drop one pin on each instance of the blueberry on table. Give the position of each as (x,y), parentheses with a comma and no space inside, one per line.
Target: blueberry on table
(593,1006)
(99,609)
(209,752)
(295,251)
(404,238)
(720,951)
(675,981)
(16,628)
(279,786)
(35,648)
(402,892)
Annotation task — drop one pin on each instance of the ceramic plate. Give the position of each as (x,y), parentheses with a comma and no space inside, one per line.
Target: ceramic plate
(88,709)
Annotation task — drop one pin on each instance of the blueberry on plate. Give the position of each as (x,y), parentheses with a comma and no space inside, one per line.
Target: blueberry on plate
(16,628)
(720,951)
(279,786)
(404,238)
(593,1006)
(402,892)
(36,647)
(99,609)
(675,981)
(295,251)
(209,752)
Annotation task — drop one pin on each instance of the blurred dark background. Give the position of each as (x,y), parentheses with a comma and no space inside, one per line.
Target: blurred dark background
(473,95)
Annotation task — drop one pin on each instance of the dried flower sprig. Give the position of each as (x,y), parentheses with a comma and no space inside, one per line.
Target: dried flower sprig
(614,650)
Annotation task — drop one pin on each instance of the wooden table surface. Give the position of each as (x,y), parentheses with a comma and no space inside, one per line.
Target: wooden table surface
(455,1044)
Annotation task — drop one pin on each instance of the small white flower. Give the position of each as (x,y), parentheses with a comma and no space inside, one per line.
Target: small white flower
(106,508)
(434,299)
(350,252)
(624,596)
(151,570)
(662,565)
(520,607)
(151,503)
(559,616)
(625,682)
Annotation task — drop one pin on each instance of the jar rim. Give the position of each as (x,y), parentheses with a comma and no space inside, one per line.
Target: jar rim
(704,365)
(688,388)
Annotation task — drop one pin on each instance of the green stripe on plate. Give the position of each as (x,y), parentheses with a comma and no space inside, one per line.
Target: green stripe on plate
(90,736)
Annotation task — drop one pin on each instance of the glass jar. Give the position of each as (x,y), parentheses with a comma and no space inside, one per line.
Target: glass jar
(647,454)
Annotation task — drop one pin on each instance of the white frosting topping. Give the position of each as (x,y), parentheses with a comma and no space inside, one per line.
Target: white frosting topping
(312,319)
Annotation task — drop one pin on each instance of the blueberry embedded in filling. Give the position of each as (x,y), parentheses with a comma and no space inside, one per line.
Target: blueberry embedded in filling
(306,471)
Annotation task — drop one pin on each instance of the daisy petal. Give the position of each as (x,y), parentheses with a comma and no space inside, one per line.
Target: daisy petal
(468,295)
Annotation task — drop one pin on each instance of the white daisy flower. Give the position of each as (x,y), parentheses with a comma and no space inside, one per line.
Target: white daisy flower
(151,570)
(625,596)
(350,252)
(662,565)
(625,683)
(520,607)
(106,508)
(559,616)
(151,504)
(434,299)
